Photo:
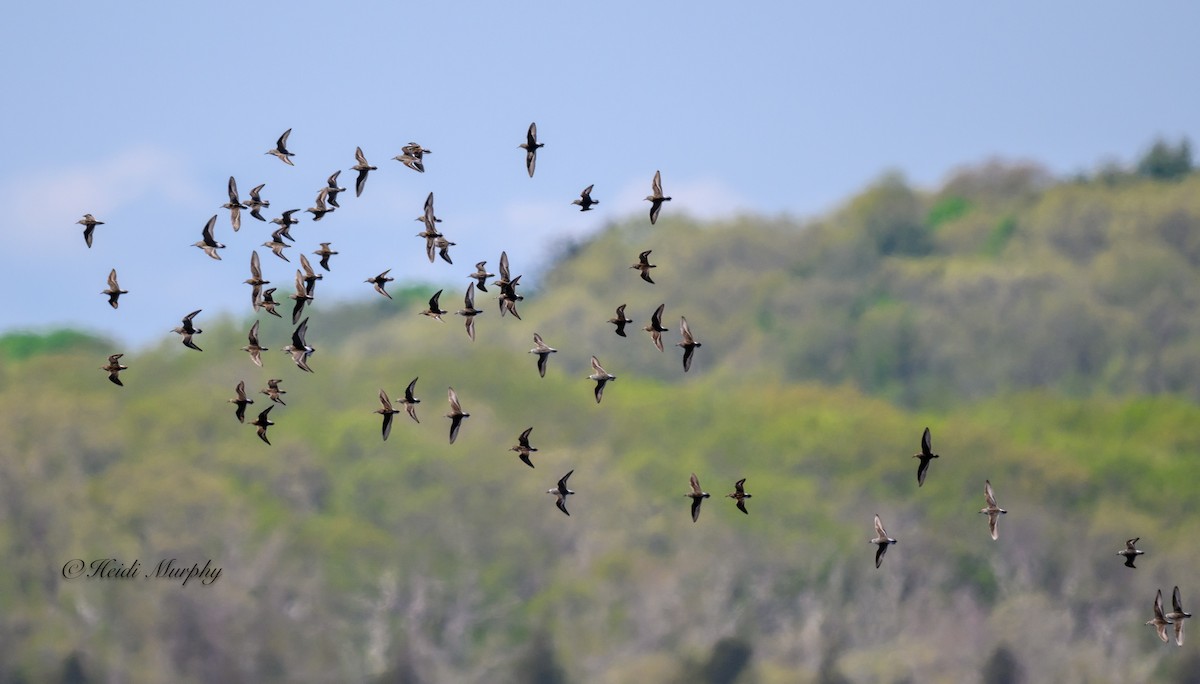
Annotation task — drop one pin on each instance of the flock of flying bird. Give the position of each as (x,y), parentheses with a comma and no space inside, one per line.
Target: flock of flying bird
(436,244)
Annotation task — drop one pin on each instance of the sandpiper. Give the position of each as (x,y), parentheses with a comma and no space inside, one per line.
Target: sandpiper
(187,330)
(253,348)
(531,146)
(380,281)
(1159,621)
(456,414)
(434,311)
(299,349)
(469,312)
(255,281)
(206,242)
(89,224)
(991,509)
(362,167)
(689,343)
(113,368)
(281,152)
(561,492)
(585,200)
(601,377)
(643,264)
(656,197)
(273,391)
(543,352)
(925,455)
(387,412)
(241,400)
(523,448)
(739,494)
(1178,615)
(262,422)
(481,275)
(114,289)
(882,540)
(255,203)
(325,253)
(655,327)
(1130,552)
(234,205)
(410,401)
(698,496)
(620,321)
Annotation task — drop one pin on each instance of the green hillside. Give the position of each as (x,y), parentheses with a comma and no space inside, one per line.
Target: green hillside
(1044,330)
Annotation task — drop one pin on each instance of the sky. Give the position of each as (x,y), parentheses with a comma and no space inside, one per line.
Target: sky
(139,112)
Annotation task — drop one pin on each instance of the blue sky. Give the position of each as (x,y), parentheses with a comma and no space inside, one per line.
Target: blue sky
(139,112)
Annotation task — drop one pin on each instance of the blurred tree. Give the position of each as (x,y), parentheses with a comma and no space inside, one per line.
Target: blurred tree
(1166,162)
(1003,667)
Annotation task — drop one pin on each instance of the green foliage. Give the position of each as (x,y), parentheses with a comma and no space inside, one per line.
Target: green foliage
(1057,361)
(1164,161)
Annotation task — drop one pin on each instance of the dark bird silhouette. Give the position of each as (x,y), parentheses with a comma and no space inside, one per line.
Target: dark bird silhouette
(234,205)
(1130,552)
(262,422)
(523,448)
(281,152)
(410,401)
(256,203)
(698,496)
(113,368)
(253,348)
(241,400)
(739,494)
(114,289)
(206,242)
(585,200)
(434,311)
(456,414)
(543,352)
(89,224)
(643,264)
(655,327)
(620,321)
(882,540)
(188,329)
(531,146)
(285,223)
(325,253)
(656,197)
(363,168)
(925,455)
(332,189)
(509,298)
(380,281)
(274,392)
(689,343)
(469,312)
(991,509)
(1177,615)
(387,412)
(561,493)
(299,349)
(601,377)
(255,281)
(268,303)
(481,275)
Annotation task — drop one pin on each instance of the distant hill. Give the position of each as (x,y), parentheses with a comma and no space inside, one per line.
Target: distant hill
(1040,328)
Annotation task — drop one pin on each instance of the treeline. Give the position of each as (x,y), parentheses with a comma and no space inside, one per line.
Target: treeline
(1039,328)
